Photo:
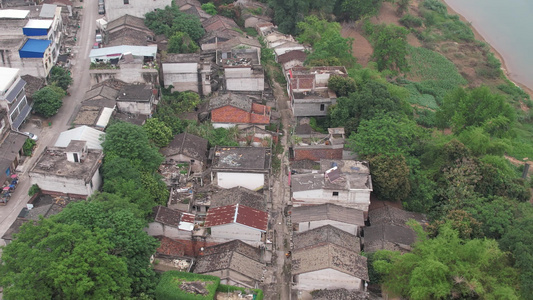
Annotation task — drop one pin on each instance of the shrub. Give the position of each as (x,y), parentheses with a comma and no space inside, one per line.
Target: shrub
(169,286)
(27,148)
(34,189)
(411,21)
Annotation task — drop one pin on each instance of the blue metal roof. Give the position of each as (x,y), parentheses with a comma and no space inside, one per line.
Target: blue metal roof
(34,48)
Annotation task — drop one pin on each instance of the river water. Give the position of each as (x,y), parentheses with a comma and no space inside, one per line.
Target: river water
(508,26)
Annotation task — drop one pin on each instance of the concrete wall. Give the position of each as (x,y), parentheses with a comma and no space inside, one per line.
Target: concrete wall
(235,232)
(243,79)
(96,182)
(251,181)
(117,8)
(327,279)
(350,228)
(359,199)
(156,228)
(129,73)
(181,81)
(291,64)
(65,185)
(142,108)
(304,108)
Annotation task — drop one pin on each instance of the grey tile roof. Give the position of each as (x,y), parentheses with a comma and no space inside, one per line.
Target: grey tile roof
(235,246)
(189,145)
(326,235)
(329,256)
(230,99)
(231,260)
(388,237)
(327,212)
(394,216)
(238,195)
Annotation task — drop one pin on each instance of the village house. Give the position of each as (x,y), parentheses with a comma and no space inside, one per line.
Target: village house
(242,70)
(237,221)
(256,136)
(128,30)
(193,7)
(131,64)
(117,8)
(235,262)
(311,145)
(31,38)
(92,136)
(327,258)
(218,29)
(225,197)
(13,97)
(308,89)
(248,167)
(291,59)
(342,182)
(237,110)
(11,143)
(171,223)
(137,99)
(188,148)
(186,72)
(72,171)
(388,229)
(98,105)
(305,218)
(239,43)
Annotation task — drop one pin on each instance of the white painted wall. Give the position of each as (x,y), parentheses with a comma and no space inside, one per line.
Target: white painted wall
(142,108)
(350,228)
(156,228)
(251,181)
(235,231)
(224,125)
(117,8)
(62,184)
(327,279)
(180,81)
(359,199)
(243,79)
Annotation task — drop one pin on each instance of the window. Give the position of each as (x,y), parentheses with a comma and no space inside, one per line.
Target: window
(322,107)
(335,193)
(126,1)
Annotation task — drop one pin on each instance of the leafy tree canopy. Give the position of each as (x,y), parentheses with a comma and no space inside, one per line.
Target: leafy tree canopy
(171,20)
(356,9)
(60,77)
(478,107)
(313,29)
(209,8)
(181,42)
(342,86)
(390,48)
(53,260)
(131,142)
(448,267)
(158,132)
(48,100)
(390,177)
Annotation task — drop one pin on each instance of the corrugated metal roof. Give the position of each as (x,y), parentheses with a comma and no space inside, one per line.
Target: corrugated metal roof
(135,51)
(41,24)
(34,48)
(13,14)
(82,133)
(105,116)
(48,11)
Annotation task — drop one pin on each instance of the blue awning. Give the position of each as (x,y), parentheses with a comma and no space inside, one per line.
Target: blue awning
(34,48)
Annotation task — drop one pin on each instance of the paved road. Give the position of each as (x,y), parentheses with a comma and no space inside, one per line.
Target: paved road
(60,122)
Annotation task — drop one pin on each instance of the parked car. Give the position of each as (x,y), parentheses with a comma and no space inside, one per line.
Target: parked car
(31,135)
(101,2)
(101,9)
(98,38)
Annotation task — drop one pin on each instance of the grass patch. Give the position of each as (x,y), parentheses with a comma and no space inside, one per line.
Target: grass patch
(169,286)
(222,288)
(522,144)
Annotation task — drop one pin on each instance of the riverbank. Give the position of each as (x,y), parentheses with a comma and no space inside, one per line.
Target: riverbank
(479,36)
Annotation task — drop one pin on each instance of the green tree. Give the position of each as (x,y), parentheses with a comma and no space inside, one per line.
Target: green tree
(130,241)
(131,142)
(48,100)
(313,29)
(356,9)
(386,134)
(390,48)
(209,8)
(342,86)
(332,50)
(478,107)
(171,20)
(52,260)
(60,77)
(158,132)
(390,177)
(403,6)
(181,42)
(448,267)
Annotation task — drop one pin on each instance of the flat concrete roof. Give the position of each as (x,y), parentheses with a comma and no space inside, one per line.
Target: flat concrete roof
(53,162)
(7,77)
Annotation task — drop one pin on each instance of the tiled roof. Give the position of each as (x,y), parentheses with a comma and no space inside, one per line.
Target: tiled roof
(238,195)
(231,260)
(167,216)
(217,22)
(171,247)
(239,40)
(100,92)
(326,235)
(329,256)
(394,216)
(292,55)
(235,246)
(230,99)
(127,20)
(187,144)
(388,237)
(327,211)
(238,214)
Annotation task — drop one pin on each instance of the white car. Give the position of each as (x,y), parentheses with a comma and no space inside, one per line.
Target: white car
(31,135)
